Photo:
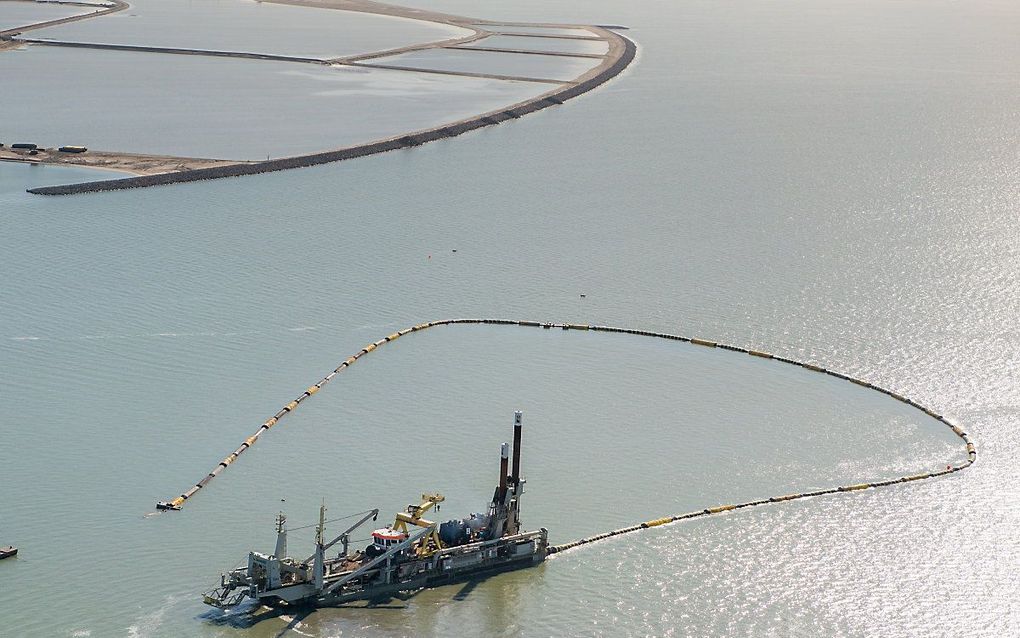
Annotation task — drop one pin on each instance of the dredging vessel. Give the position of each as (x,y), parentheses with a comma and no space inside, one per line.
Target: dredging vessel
(412,554)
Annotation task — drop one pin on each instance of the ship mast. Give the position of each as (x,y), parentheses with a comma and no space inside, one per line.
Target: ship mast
(281,535)
(318,567)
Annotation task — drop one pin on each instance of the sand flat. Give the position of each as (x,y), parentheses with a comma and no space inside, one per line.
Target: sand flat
(555,45)
(249,109)
(507,64)
(15,13)
(250,26)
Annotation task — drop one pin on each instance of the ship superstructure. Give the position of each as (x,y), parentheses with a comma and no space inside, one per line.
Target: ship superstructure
(411,554)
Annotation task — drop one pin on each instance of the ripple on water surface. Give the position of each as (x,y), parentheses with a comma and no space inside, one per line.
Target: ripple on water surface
(830,180)
(619,429)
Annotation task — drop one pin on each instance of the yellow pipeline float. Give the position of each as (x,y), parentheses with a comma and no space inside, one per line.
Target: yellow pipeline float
(178,502)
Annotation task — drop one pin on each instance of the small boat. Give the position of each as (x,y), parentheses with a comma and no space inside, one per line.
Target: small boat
(7,552)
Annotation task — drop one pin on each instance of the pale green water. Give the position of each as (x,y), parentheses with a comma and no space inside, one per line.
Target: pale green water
(833,182)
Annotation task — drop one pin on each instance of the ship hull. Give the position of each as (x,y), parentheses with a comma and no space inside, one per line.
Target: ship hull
(445,567)
(385,592)
(413,554)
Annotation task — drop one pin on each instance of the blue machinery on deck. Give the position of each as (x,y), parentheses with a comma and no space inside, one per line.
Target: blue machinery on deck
(178,502)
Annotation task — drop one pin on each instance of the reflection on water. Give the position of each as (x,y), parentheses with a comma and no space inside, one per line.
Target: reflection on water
(610,419)
(830,181)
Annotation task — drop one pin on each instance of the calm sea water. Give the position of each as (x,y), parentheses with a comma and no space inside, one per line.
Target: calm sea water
(835,182)
(16,177)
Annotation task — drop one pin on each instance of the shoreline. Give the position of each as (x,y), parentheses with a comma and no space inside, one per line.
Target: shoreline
(386,9)
(157,170)
(131,164)
(59,165)
(109,6)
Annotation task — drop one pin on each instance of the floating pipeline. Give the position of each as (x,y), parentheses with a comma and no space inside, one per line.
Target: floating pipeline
(416,138)
(178,502)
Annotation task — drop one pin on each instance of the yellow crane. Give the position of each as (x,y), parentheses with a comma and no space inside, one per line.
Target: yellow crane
(430,543)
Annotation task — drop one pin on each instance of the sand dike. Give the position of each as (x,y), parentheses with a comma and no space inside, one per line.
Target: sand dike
(158,170)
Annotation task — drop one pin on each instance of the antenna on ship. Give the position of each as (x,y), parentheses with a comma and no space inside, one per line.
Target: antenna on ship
(281,535)
(318,567)
(320,529)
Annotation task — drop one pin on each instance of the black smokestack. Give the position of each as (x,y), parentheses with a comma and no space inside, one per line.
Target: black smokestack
(515,476)
(504,452)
